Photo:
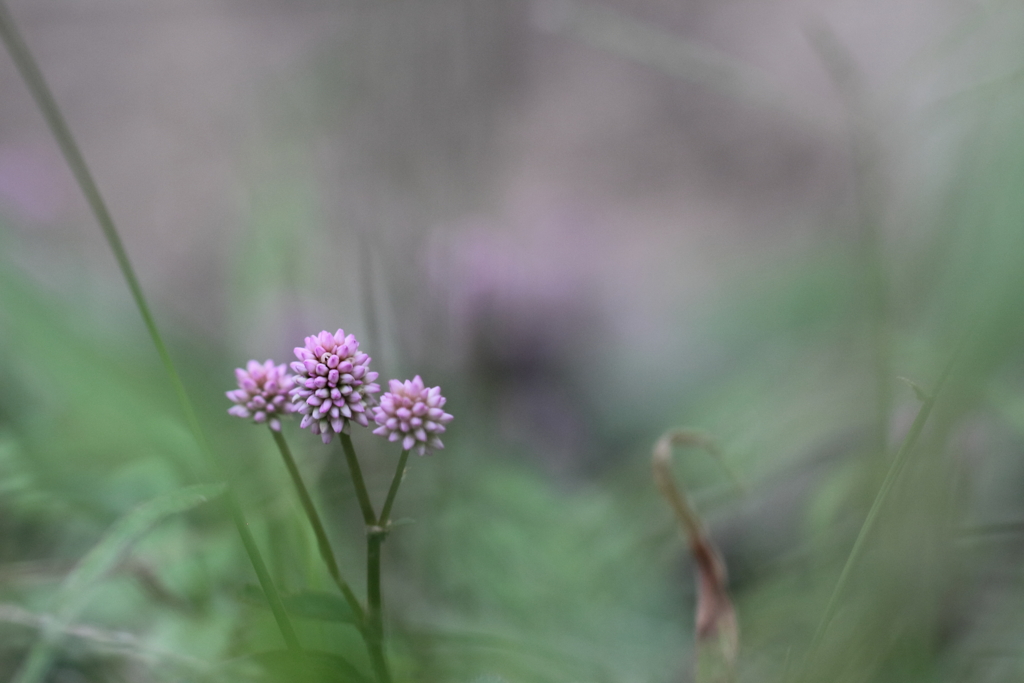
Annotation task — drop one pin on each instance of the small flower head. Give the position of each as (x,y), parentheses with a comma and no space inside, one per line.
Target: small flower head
(413,413)
(262,393)
(334,384)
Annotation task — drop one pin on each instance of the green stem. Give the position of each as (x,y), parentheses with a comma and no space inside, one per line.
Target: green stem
(375,535)
(375,623)
(323,543)
(33,78)
(357,480)
(393,491)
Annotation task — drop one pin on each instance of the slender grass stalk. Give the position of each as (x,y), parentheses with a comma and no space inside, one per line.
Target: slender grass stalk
(396,481)
(36,83)
(367,292)
(266,583)
(877,279)
(323,542)
(895,469)
(869,193)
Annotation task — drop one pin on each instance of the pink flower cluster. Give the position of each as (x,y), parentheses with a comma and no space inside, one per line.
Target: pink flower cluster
(333,386)
(334,383)
(413,413)
(262,393)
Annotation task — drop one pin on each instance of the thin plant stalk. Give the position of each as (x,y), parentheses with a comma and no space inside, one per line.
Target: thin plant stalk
(895,469)
(36,83)
(396,481)
(369,517)
(323,542)
(375,534)
(869,194)
(367,291)
(375,537)
(374,602)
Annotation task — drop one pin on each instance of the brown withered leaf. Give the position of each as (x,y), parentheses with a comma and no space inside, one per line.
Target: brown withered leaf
(717,633)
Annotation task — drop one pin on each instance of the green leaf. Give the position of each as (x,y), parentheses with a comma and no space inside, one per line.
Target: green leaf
(318,605)
(73,593)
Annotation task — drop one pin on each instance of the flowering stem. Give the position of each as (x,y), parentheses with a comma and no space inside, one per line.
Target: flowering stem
(33,78)
(375,537)
(375,623)
(393,491)
(323,542)
(375,534)
(357,480)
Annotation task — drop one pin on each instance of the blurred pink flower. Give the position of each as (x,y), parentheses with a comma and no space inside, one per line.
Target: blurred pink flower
(262,393)
(334,383)
(413,413)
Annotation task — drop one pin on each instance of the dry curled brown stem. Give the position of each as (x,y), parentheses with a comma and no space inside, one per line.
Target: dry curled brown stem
(717,633)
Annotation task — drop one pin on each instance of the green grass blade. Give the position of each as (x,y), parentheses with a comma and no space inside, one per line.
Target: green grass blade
(73,593)
(33,77)
(898,463)
(309,604)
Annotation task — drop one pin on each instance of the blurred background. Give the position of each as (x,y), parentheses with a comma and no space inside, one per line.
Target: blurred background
(588,222)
